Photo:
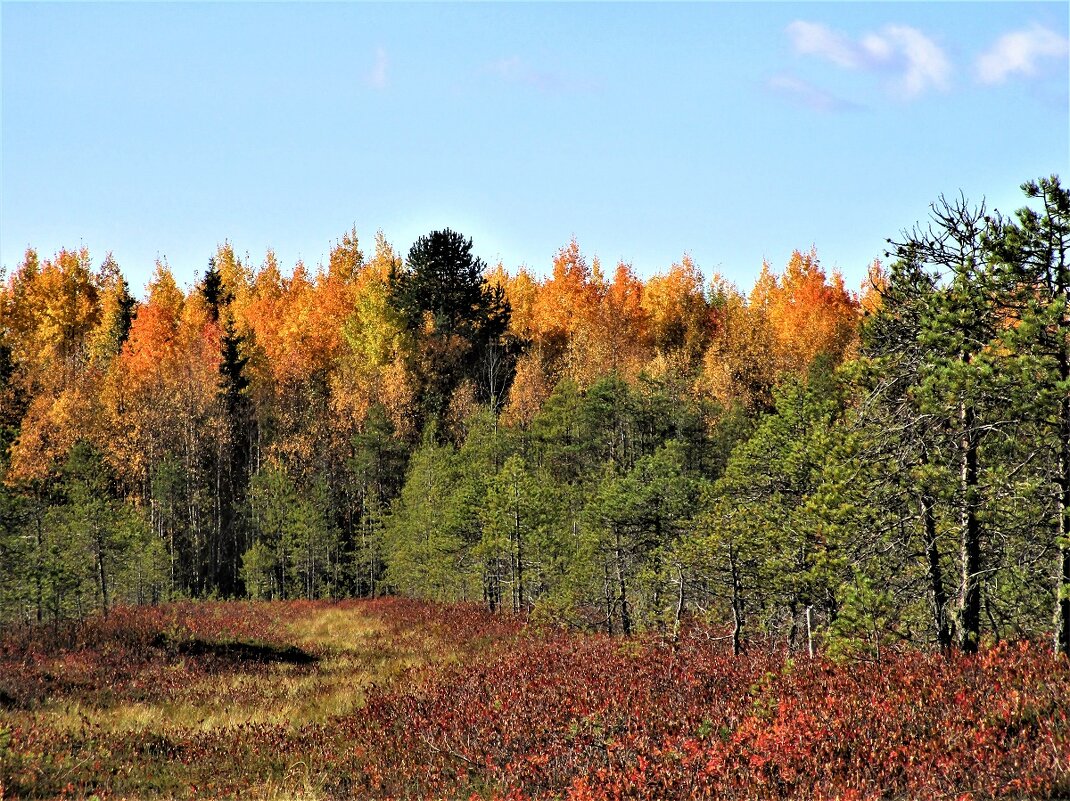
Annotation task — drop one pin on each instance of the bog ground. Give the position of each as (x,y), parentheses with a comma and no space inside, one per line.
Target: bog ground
(402,699)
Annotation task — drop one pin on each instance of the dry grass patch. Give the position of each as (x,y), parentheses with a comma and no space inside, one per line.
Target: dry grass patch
(228,700)
(352,652)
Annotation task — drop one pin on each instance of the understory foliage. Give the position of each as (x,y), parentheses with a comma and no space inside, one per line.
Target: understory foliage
(803,465)
(592,718)
(492,709)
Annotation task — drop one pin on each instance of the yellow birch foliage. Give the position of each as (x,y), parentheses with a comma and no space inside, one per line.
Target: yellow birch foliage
(51,317)
(741,364)
(810,313)
(680,320)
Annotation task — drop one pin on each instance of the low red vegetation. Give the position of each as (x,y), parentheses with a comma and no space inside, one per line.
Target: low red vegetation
(467,627)
(126,654)
(526,715)
(589,717)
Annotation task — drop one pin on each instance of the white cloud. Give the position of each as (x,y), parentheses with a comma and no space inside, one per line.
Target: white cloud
(377,78)
(1018,52)
(814,39)
(915,61)
(877,47)
(806,94)
(923,62)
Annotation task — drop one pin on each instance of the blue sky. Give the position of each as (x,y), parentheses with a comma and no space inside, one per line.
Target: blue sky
(734,132)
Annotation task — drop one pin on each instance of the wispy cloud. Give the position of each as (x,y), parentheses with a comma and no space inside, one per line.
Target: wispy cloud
(915,61)
(922,62)
(806,94)
(514,69)
(377,77)
(1019,53)
(814,39)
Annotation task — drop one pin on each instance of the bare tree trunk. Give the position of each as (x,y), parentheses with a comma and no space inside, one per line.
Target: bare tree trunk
(101,574)
(607,586)
(519,550)
(1062,597)
(171,548)
(1062,633)
(737,604)
(938,595)
(39,577)
(625,615)
(679,604)
(793,631)
(970,591)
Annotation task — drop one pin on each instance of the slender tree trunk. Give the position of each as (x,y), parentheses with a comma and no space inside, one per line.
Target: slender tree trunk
(679,611)
(970,591)
(938,595)
(101,574)
(625,614)
(216,546)
(608,588)
(810,635)
(282,567)
(1062,635)
(656,562)
(365,557)
(1062,608)
(40,567)
(737,604)
(519,549)
(793,632)
(171,548)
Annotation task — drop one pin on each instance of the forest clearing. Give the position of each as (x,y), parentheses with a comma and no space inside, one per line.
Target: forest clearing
(393,698)
(801,543)
(535,401)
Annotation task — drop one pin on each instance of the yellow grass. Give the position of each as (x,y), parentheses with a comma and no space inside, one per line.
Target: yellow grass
(352,651)
(297,786)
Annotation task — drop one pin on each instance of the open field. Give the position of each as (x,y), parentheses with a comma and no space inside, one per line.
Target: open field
(401,699)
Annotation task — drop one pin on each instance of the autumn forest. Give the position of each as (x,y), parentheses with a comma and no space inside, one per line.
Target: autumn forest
(799,464)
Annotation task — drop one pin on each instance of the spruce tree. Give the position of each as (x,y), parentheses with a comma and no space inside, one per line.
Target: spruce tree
(233,456)
(457,318)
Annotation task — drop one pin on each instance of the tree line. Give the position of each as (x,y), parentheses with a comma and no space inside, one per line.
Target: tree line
(798,464)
